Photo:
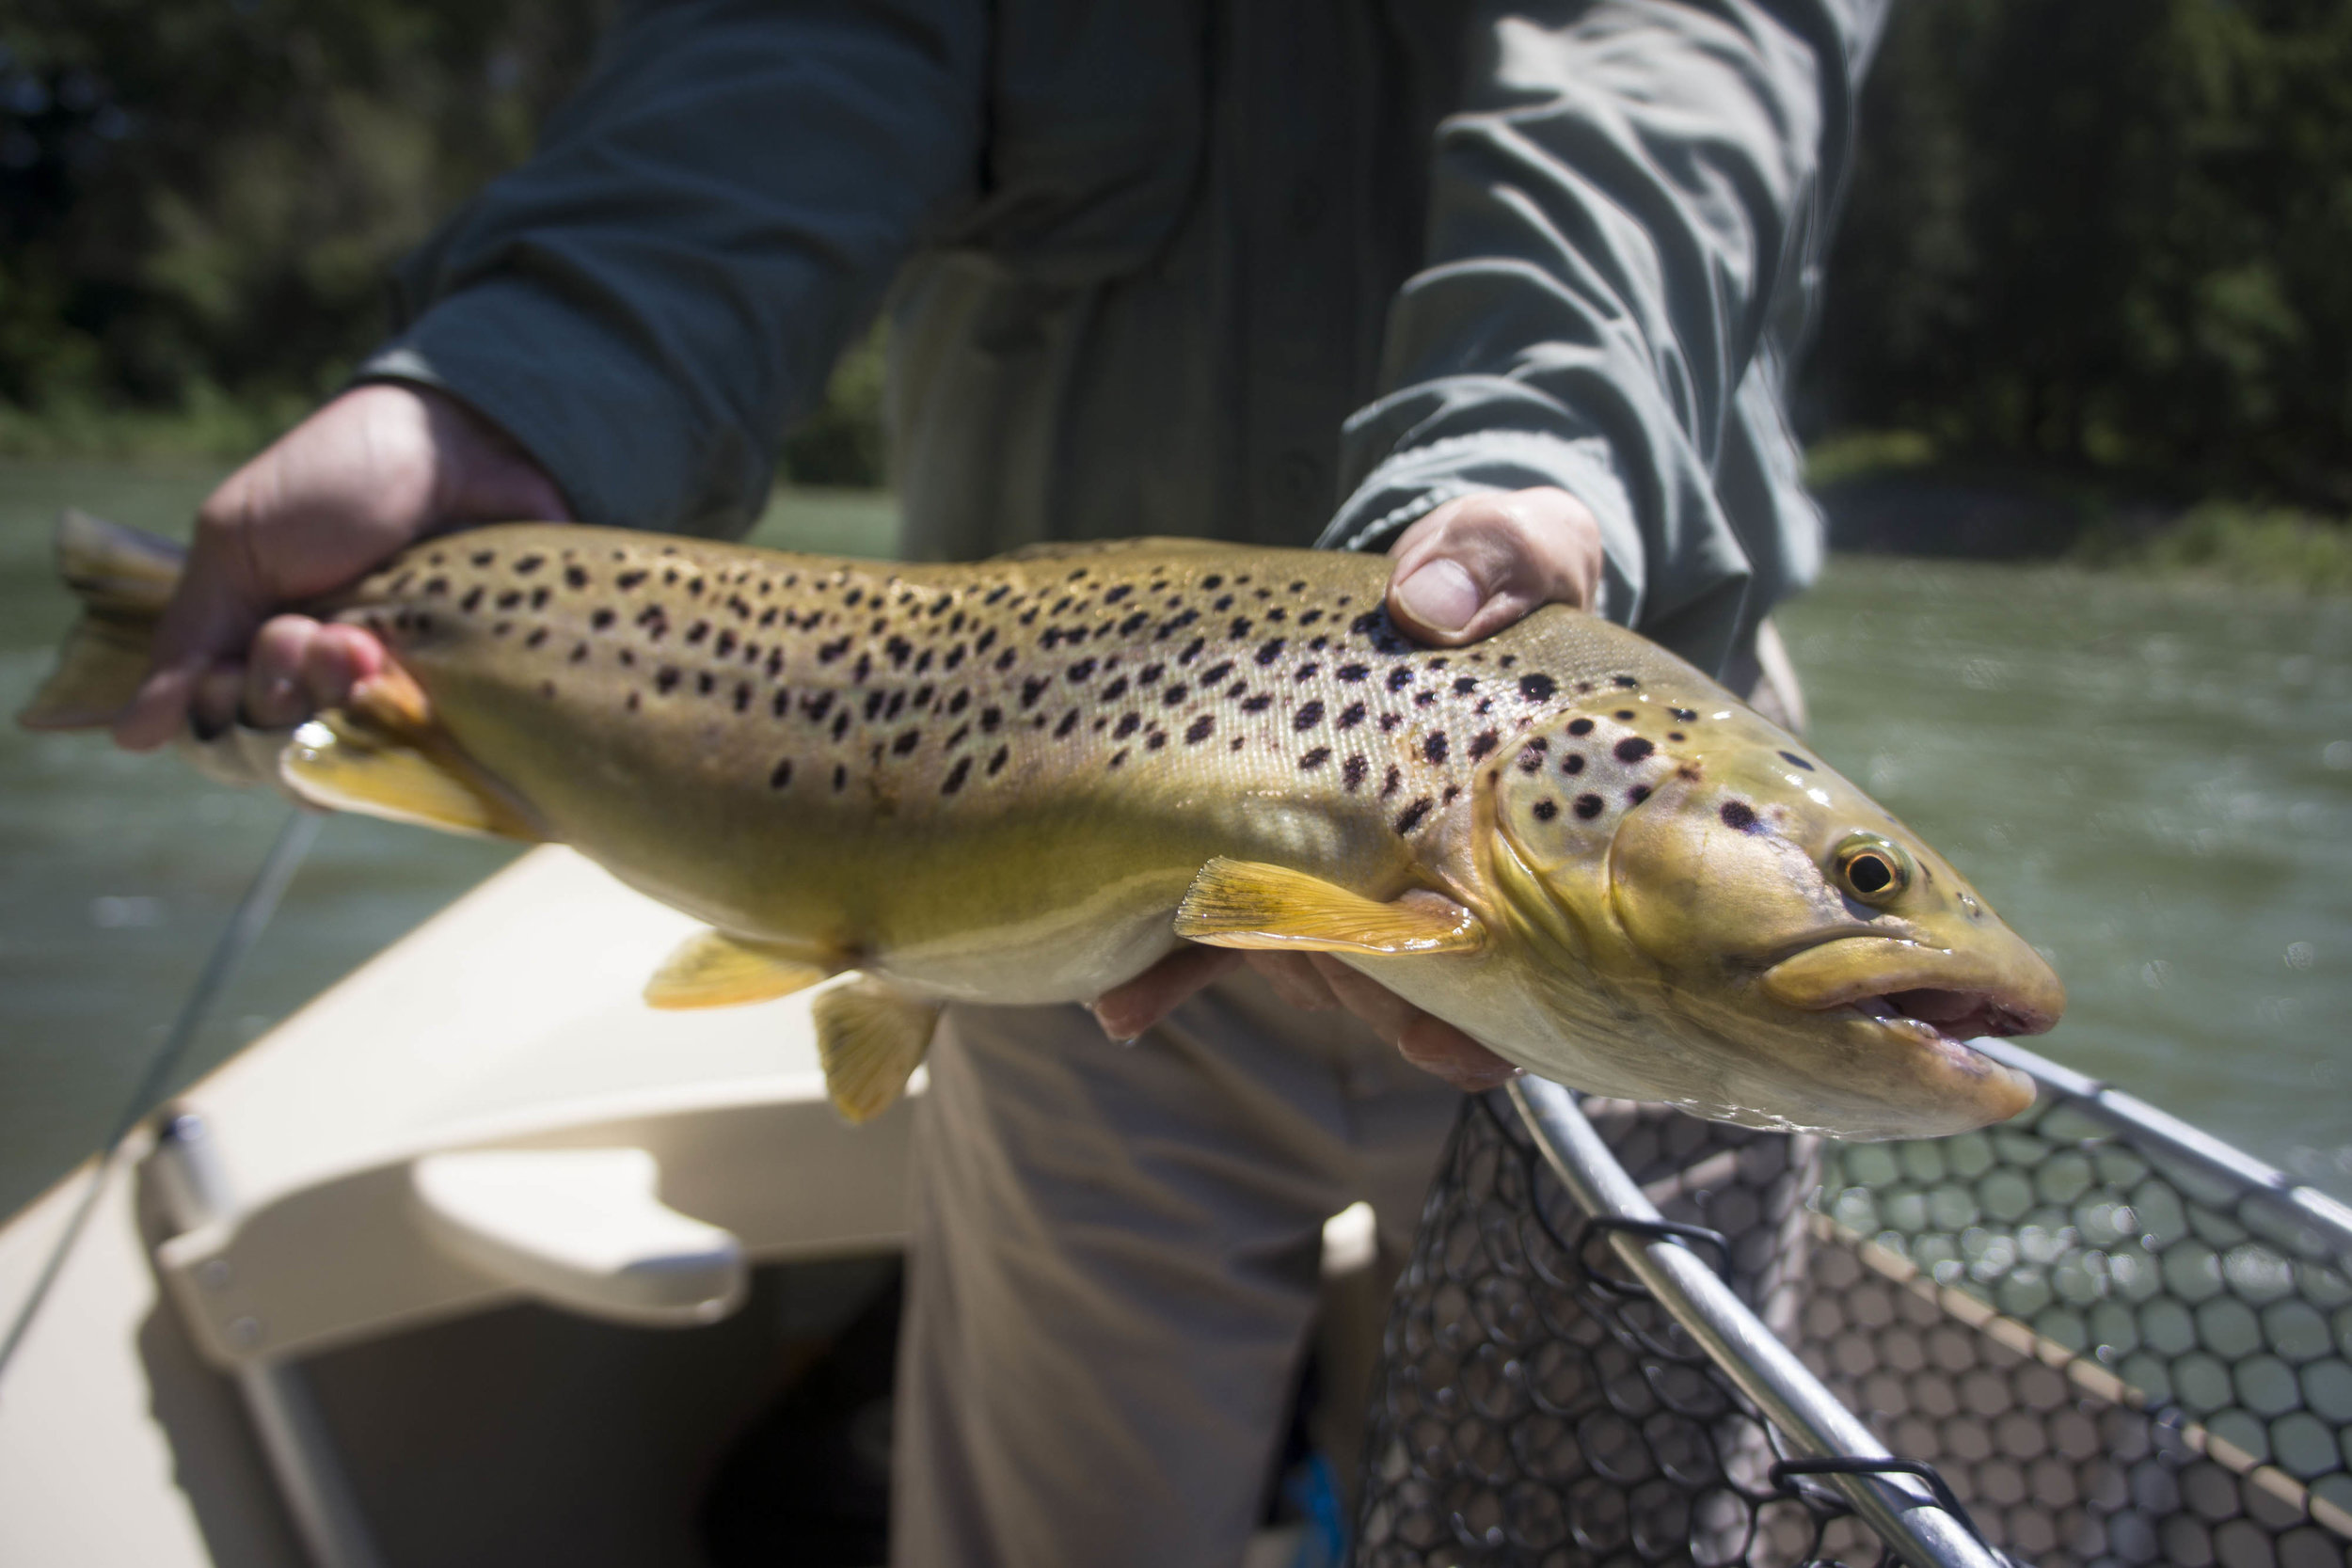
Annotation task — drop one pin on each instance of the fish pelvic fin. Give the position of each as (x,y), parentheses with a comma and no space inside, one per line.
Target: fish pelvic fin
(123,577)
(342,762)
(1249,904)
(870,1038)
(711,969)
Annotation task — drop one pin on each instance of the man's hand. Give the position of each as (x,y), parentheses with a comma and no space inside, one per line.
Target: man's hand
(1467,570)
(369,473)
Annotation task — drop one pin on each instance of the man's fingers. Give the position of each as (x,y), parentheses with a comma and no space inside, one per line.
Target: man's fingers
(1479,562)
(1436,1046)
(337,659)
(1294,978)
(214,697)
(275,695)
(1127,1010)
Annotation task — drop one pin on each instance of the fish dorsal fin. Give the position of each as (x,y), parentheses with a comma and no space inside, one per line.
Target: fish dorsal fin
(335,763)
(1056,549)
(711,969)
(1249,904)
(870,1036)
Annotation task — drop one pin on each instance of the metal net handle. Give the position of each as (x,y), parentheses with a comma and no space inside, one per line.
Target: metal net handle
(1905,1513)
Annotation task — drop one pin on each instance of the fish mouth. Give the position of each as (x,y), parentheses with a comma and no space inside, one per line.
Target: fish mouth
(1933,996)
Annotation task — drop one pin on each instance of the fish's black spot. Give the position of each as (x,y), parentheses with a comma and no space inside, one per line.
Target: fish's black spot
(705,682)
(1351,671)
(1638,793)
(1068,722)
(1634,748)
(666,679)
(1677,735)
(1411,817)
(1465,685)
(1624,713)
(473,601)
(990,719)
(1572,764)
(484,558)
(1433,746)
(906,742)
(1580,726)
(1156,739)
(509,599)
(1738,815)
(956,776)
(600,621)
(1536,687)
(1308,672)
(538,634)
(1792,757)
(1309,715)
(1353,772)
(742,696)
(1031,688)
(1627,682)
(1399,678)
(1270,651)
(1128,724)
(1389,785)
(1199,729)
(1175,694)
(782,776)
(1530,758)
(1315,758)
(1688,715)
(575,577)
(1217,672)
(1117,689)
(996,760)
(1258,704)
(1351,716)
(1588,806)
(1081,670)
(1546,810)
(1485,742)
(840,777)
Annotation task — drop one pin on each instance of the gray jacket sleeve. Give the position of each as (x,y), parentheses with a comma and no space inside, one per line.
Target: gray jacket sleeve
(1626,220)
(648,301)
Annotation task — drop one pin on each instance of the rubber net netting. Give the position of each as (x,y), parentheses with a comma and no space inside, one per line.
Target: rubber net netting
(2113,1358)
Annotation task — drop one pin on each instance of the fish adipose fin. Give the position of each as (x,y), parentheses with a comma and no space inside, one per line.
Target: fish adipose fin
(870,1038)
(711,969)
(337,763)
(124,578)
(1248,904)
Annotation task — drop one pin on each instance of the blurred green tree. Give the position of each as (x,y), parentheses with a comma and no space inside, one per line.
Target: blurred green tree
(2106,235)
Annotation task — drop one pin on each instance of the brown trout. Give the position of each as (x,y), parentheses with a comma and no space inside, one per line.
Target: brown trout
(1027,780)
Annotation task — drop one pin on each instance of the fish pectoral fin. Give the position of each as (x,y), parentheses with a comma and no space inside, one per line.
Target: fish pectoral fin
(711,969)
(1248,904)
(870,1038)
(342,767)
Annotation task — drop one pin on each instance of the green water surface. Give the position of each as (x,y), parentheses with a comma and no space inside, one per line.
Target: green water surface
(2155,784)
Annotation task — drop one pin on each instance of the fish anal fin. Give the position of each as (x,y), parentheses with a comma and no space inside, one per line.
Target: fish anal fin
(334,764)
(711,969)
(1248,904)
(870,1036)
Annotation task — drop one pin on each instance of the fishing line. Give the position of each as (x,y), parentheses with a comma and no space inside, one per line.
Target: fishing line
(244,929)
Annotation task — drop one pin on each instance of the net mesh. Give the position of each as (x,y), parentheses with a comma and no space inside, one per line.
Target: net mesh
(2113,1356)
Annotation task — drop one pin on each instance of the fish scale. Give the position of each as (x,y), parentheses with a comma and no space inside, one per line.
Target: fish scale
(1025,780)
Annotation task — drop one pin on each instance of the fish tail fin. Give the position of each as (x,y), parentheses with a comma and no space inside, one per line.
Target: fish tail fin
(124,578)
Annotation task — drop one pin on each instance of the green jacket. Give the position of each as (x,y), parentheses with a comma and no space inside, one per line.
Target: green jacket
(1264,270)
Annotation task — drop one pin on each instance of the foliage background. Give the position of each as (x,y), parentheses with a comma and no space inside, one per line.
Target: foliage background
(2102,242)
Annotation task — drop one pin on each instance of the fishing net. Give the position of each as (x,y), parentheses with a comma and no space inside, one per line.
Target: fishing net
(2115,1351)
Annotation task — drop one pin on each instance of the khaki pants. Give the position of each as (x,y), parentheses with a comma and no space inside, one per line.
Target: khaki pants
(1114,1267)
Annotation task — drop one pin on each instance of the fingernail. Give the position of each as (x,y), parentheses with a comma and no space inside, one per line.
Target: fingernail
(1440,595)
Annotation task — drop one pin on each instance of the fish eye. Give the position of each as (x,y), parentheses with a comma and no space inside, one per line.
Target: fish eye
(1873,869)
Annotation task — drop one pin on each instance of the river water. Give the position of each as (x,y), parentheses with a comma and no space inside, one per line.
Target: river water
(2152,781)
